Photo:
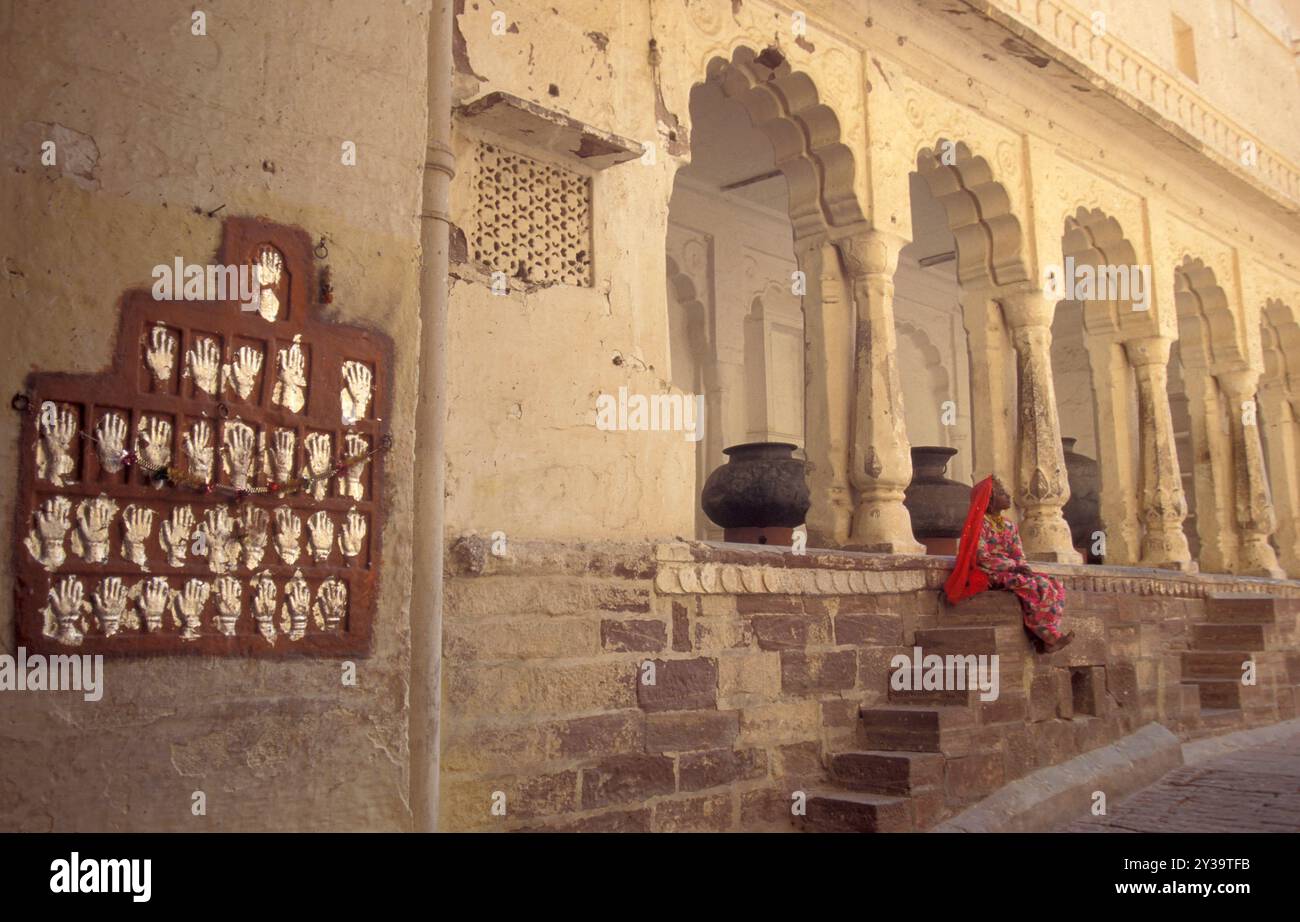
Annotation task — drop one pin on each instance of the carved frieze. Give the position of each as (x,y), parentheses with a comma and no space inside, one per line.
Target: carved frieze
(232,458)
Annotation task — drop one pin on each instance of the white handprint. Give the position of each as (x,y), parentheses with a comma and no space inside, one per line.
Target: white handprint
(111,444)
(58,426)
(320,535)
(154,597)
(198,448)
(221,549)
(318,463)
(205,365)
(278,458)
(264,606)
(161,354)
(331,604)
(355,396)
(352,537)
(137,522)
(229,603)
(63,614)
(189,608)
(175,537)
(90,538)
(109,604)
(237,454)
(288,532)
(269,267)
(292,381)
(351,485)
(253,527)
(45,542)
(153,443)
(241,374)
(293,615)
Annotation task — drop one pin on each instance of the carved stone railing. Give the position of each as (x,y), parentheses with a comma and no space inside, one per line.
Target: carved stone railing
(1146,85)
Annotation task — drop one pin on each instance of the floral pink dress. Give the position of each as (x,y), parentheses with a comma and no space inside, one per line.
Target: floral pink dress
(1000,555)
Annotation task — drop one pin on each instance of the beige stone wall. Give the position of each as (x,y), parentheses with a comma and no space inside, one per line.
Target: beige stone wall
(153,125)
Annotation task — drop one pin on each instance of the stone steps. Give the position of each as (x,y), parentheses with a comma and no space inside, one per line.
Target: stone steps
(1233,637)
(855,811)
(885,772)
(1241,608)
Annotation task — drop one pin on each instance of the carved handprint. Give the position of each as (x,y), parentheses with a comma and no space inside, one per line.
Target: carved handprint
(318,463)
(221,549)
(289,390)
(352,486)
(153,443)
(288,532)
(189,608)
(64,619)
(264,606)
(237,453)
(355,396)
(45,542)
(137,525)
(111,445)
(205,365)
(175,537)
(241,374)
(58,427)
(90,538)
(269,267)
(155,596)
(229,603)
(352,537)
(279,456)
(161,354)
(198,448)
(293,615)
(109,604)
(331,604)
(320,535)
(253,526)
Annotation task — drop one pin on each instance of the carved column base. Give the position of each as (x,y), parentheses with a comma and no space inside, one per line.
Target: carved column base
(882,525)
(830,517)
(1256,557)
(1046,536)
(1166,549)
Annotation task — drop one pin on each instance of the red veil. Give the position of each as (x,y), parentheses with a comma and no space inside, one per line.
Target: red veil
(967,579)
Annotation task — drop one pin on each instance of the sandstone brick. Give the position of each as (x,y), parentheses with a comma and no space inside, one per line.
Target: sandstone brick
(1053,741)
(799,760)
(541,595)
(466,748)
(520,638)
(680,684)
(681,628)
(603,734)
(882,629)
(769,604)
(1042,697)
(1122,684)
(765,809)
(716,635)
(609,821)
(790,632)
(685,731)
(782,722)
(808,673)
(1088,688)
(699,770)
(713,813)
(468,803)
(716,606)
(840,712)
(636,636)
(748,674)
(972,777)
(620,779)
(547,688)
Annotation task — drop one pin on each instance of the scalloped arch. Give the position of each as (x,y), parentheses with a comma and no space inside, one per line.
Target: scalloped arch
(683,288)
(1280,324)
(989,237)
(1207,330)
(805,134)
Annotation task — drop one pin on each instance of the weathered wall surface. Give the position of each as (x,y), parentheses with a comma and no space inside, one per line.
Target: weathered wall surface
(761,663)
(153,125)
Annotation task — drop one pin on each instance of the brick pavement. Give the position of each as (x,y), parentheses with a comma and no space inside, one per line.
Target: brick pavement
(1256,789)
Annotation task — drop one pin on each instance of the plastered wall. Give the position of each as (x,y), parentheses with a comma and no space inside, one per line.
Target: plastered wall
(155,128)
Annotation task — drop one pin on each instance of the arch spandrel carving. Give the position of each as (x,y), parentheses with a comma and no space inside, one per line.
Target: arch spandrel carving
(1209,266)
(1268,296)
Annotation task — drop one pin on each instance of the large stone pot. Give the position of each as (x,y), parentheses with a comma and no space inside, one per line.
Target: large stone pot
(937,505)
(760,496)
(1083,511)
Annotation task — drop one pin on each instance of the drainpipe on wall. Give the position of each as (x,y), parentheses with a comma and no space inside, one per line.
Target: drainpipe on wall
(430,427)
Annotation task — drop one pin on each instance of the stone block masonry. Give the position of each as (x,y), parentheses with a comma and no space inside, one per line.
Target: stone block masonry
(693,686)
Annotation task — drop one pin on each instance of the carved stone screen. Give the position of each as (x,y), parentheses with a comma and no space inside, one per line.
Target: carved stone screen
(218,490)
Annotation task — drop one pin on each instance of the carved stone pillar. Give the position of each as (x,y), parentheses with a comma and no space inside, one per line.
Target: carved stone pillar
(1112,386)
(1282,439)
(1043,487)
(828,385)
(1252,499)
(880,455)
(992,388)
(1212,474)
(1163,504)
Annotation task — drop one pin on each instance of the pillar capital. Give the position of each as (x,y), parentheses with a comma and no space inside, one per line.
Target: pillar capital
(1024,306)
(1148,351)
(1239,383)
(870,254)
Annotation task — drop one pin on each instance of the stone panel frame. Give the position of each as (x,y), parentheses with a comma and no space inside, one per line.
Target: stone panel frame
(126,386)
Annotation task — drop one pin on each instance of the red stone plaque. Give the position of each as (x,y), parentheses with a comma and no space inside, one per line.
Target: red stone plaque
(219,489)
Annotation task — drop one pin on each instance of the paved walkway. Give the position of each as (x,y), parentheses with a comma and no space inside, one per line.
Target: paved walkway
(1253,789)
